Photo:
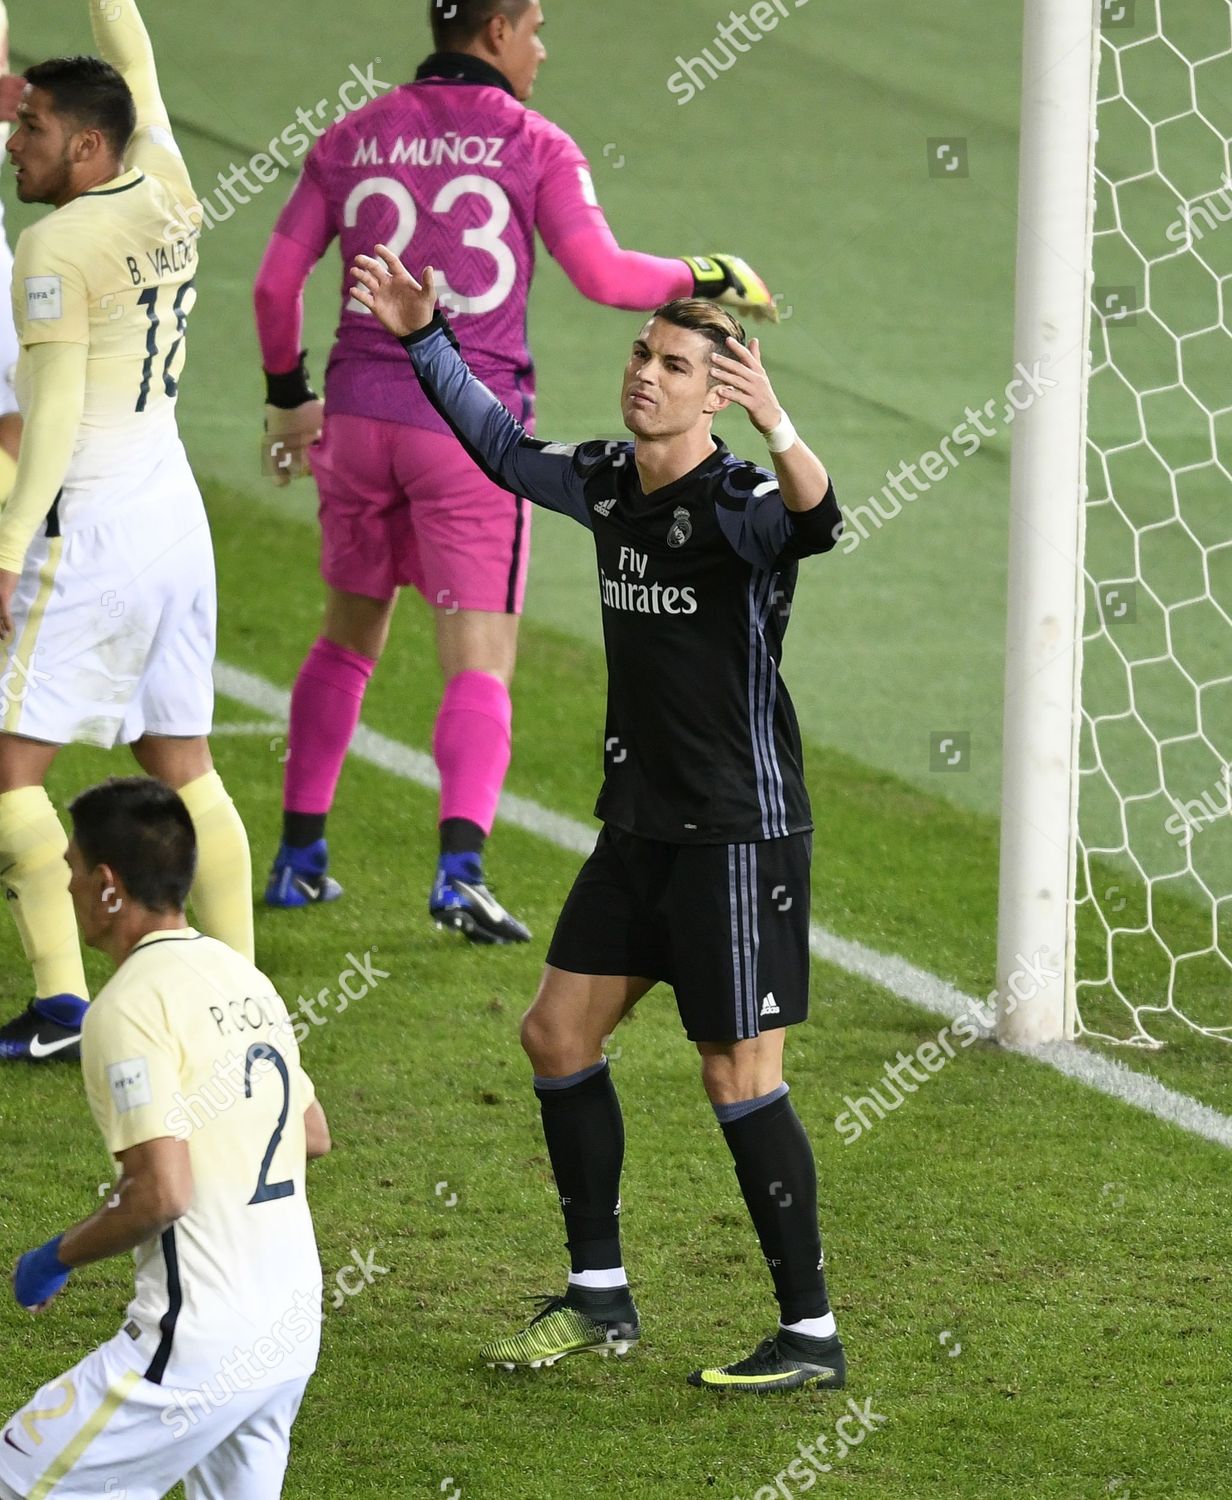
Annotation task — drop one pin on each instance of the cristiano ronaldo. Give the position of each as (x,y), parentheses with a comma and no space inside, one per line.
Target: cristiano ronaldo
(700,876)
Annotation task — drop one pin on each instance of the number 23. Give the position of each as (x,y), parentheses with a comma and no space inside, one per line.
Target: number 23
(485,237)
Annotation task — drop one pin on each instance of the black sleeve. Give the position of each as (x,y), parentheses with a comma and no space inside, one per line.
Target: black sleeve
(544,472)
(816,530)
(760,527)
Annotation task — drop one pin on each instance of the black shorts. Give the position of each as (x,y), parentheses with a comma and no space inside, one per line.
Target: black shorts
(726,925)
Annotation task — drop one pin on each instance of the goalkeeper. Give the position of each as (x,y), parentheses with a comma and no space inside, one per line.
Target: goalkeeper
(455,167)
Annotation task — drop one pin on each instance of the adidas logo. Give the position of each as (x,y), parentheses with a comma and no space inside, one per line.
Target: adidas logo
(604,507)
(770,1006)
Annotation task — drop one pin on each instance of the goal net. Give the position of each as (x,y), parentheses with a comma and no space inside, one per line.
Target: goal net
(1116,826)
(1152,867)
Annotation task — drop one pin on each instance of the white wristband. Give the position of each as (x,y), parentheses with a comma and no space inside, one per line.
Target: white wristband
(782,437)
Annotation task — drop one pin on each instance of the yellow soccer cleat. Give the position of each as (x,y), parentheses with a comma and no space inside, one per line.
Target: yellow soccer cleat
(782,1363)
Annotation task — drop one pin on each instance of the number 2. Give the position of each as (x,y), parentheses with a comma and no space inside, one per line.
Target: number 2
(36,1414)
(262,1052)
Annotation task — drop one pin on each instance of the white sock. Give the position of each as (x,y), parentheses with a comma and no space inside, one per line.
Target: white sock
(813,1328)
(598,1280)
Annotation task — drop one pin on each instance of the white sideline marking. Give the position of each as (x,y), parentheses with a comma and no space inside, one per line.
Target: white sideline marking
(919,987)
(914,985)
(254,728)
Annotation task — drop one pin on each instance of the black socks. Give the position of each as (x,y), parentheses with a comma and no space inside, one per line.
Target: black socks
(775,1169)
(461,836)
(586,1142)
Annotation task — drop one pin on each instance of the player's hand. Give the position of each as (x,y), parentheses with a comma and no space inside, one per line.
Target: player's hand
(743,380)
(12,87)
(39,1276)
(733,283)
(289,433)
(385,287)
(8,587)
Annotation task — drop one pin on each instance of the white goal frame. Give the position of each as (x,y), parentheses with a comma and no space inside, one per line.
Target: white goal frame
(1043,668)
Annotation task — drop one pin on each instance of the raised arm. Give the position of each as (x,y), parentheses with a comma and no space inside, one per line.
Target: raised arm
(494,438)
(122,40)
(795,514)
(576,232)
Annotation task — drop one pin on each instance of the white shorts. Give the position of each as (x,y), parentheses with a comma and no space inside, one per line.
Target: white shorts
(104,1432)
(116,625)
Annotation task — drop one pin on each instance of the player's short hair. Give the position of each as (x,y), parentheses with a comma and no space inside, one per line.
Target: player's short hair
(90,92)
(702,316)
(142,829)
(456,23)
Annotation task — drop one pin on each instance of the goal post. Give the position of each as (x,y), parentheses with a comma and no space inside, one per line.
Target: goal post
(1116,860)
(1043,670)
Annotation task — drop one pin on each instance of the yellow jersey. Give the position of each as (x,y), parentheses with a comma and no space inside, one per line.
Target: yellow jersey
(112,271)
(190,1040)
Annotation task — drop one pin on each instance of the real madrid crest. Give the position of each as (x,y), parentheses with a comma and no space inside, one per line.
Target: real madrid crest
(681,528)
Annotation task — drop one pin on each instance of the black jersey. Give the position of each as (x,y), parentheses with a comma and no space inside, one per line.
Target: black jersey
(696,582)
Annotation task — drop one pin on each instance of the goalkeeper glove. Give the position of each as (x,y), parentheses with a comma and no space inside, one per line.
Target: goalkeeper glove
(733,283)
(293,418)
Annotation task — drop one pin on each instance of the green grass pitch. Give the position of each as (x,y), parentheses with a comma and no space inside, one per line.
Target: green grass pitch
(1028,1275)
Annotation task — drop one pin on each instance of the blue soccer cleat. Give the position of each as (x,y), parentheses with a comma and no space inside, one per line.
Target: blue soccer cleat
(461,901)
(299,877)
(46,1031)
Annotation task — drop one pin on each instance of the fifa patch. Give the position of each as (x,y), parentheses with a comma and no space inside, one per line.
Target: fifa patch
(681,529)
(160,136)
(44,298)
(130,1084)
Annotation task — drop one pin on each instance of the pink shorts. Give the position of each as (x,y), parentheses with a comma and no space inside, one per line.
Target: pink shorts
(400,505)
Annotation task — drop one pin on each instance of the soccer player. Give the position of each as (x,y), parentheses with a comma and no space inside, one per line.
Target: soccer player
(455,165)
(193,1077)
(700,876)
(107,595)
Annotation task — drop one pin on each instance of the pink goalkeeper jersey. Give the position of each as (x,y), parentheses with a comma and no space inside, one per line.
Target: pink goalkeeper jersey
(456,175)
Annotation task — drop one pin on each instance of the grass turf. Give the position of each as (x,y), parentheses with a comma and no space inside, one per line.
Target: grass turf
(1038,1226)
(1031,1222)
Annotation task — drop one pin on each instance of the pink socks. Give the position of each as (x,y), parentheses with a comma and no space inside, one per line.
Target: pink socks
(471,741)
(325,705)
(472,746)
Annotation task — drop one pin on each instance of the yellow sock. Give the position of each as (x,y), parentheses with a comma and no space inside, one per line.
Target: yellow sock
(8,474)
(34,876)
(222,891)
